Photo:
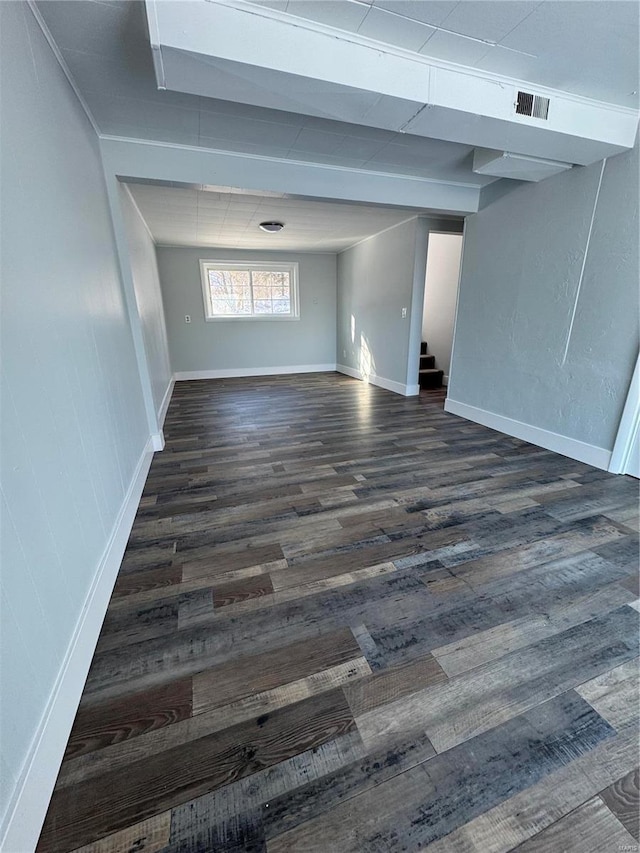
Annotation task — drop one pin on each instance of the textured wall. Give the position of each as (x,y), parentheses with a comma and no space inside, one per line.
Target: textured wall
(73,424)
(237,344)
(523,303)
(144,271)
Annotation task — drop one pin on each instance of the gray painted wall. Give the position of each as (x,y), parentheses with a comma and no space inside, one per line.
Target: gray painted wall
(146,282)
(523,256)
(375,281)
(73,424)
(237,344)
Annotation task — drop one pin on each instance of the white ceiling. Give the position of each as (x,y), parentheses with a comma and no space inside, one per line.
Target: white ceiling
(587,47)
(228,218)
(106,48)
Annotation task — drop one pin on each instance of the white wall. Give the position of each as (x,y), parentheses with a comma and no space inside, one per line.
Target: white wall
(146,282)
(74,429)
(548,314)
(440,296)
(251,345)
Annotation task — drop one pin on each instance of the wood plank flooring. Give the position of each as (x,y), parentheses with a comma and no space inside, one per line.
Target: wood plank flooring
(349,621)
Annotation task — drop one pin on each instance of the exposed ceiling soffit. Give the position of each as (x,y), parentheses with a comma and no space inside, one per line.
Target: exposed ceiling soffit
(267,58)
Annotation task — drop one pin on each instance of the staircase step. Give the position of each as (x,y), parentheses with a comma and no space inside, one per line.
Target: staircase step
(430,378)
(423,348)
(427,361)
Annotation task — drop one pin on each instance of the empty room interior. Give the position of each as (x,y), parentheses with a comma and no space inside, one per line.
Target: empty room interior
(320,415)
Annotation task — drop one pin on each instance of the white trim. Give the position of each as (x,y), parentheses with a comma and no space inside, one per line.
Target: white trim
(266,158)
(157,441)
(164,405)
(597,456)
(30,801)
(457,308)
(58,55)
(629,425)
(380,381)
(239,372)
(291,267)
(445,380)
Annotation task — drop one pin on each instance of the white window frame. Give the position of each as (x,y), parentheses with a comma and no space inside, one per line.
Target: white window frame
(257,266)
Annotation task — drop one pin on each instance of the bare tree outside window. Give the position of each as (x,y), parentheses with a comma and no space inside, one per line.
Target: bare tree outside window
(249,291)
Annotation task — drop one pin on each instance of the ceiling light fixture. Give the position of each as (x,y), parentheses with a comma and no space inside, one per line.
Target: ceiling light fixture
(272,227)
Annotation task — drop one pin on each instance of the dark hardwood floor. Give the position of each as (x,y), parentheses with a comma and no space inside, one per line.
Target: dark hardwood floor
(349,621)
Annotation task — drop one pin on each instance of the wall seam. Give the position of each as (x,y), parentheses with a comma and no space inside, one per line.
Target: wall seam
(58,55)
(584,263)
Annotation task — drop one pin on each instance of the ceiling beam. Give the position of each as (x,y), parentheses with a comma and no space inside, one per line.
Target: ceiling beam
(133,158)
(236,51)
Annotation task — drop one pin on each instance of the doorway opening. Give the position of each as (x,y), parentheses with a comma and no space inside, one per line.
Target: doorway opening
(444,256)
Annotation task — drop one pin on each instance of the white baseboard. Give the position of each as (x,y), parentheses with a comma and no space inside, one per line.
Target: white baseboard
(445,380)
(164,405)
(239,372)
(28,807)
(380,381)
(599,457)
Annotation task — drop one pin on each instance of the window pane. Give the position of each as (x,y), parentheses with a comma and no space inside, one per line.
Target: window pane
(229,283)
(271,292)
(262,306)
(261,291)
(231,307)
(230,292)
(245,292)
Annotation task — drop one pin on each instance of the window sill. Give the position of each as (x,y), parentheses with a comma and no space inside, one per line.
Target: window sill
(251,319)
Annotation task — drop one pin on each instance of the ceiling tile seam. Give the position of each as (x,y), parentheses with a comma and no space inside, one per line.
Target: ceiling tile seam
(186,109)
(308,163)
(438,28)
(396,14)
(395,50)
(419,110)
(521,21)
(488,42)
(63,65)
(250,119)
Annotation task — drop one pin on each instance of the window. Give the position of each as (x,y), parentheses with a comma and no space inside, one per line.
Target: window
(249,291)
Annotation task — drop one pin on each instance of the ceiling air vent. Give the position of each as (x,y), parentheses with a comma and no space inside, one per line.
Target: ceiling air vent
(532,105)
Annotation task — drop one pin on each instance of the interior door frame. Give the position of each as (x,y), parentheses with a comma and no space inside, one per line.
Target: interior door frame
(628,427)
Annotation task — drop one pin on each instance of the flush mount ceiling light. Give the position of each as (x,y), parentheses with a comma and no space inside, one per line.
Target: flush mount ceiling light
(272,227)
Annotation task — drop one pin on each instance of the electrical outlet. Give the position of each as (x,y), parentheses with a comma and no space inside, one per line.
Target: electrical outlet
(404,313)
(187,318)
